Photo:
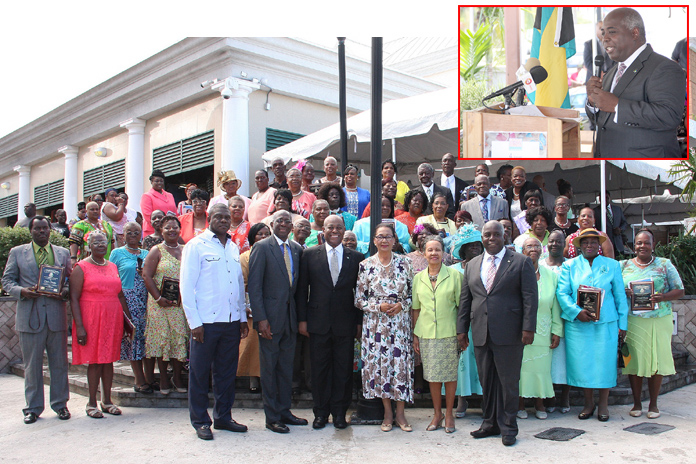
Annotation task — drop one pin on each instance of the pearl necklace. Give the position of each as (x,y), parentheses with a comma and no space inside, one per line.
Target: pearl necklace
(297,194)
(98,264)
(133,249)
(388,264)
(564,225)
(638,263)
(172,247)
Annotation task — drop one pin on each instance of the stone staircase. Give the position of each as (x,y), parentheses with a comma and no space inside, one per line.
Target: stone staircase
(124,395)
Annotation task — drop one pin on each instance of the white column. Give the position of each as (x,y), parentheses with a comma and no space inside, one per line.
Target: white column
(24,195)
(235,128)
(70,180)
(135,161)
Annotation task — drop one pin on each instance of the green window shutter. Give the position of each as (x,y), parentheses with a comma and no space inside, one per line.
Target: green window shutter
(49,194)
(185,155)
(277,138)
(97,180)
(8,206)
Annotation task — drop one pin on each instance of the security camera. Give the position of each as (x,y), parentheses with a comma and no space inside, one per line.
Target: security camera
(226,93)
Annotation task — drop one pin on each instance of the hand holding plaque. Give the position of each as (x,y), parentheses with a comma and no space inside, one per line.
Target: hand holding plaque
(50,280)
(641,301)
(590,299)
(170,290)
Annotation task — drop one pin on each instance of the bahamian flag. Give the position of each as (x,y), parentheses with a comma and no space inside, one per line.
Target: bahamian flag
(553,41)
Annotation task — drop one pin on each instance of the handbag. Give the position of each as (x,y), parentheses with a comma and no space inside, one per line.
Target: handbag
(128,327)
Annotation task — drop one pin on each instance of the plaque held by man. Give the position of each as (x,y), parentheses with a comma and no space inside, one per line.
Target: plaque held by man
(50,280)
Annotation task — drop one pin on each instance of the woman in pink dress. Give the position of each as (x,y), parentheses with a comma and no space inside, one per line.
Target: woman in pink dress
(98,308)
(302,201)
(156,198)
(239,228)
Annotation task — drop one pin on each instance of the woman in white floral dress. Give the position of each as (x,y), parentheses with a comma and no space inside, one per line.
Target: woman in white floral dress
(384,295)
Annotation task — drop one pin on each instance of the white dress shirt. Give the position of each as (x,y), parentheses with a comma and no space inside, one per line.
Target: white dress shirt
(450,183)
(212,284)
(329,252)
(486,263)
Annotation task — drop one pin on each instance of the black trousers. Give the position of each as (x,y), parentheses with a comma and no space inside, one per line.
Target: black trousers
(277,356)
(332,372)
(499,370)
(219,351)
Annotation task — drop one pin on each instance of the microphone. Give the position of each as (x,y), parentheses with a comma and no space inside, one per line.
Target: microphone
(538,73)
(599,64)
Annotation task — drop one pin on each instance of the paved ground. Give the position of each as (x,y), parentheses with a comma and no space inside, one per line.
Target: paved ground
(157,435)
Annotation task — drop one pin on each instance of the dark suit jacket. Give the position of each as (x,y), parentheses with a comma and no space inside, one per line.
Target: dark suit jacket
(450,201)
(322,305)
(270,294)
(619,220)
(508,309)
(22,271)
(651,105)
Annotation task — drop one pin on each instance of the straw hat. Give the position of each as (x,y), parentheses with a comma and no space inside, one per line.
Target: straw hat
(228,176)
(589,232)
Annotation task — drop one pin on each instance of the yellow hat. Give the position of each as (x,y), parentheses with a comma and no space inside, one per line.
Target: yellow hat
(228,176)
(589,232)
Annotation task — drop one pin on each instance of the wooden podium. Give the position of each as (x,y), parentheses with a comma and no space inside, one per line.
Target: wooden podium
(562,135)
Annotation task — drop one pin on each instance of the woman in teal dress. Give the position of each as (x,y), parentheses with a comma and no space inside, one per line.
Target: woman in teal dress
(535,375)
(466,244)
(435,302)
(336,197)
(650,333)
(591,343)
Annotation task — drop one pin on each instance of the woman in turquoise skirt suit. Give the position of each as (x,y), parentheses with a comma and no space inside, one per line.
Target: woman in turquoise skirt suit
(466,245)
(591,344)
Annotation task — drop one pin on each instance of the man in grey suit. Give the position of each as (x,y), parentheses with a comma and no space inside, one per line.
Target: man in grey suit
(499,300)
(41,321)
(485,206)
(638,105)
(274,267)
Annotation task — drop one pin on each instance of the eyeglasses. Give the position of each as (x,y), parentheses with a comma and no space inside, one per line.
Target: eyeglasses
(198,202)
(382,238)
(532,247)
(562,205)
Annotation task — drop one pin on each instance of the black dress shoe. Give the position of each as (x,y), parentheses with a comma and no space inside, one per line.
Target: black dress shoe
(319,422)
(30,418)
(232,426)
(603,417)
(509,440)
(587,415)
(340,422)
(204,432)
(293,420)
(277,427)
(482,433)
(63,414)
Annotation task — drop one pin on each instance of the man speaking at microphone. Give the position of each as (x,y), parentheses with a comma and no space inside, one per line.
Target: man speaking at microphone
(638,104)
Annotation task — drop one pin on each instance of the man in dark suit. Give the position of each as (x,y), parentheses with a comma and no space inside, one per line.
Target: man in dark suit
(41,321)
(616,223)
(425,175)
(274,265)
(638,105)
(499,300)
(328,316)
(451,182)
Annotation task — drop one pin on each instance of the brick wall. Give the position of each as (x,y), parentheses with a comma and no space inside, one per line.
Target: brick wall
(685,340)
(9,341)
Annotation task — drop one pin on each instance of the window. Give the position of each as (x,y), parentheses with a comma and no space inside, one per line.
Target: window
(185,155)
(8,206)
(49,194)
(277,138)
(97,180)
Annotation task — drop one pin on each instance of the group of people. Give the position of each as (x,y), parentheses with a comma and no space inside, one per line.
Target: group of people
(477,296)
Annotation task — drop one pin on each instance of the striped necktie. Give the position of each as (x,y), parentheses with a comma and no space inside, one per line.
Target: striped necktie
(490,276)
(42,256)
(288,264)
(619,73)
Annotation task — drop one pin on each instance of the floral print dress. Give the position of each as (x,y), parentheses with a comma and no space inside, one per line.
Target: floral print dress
(387,341)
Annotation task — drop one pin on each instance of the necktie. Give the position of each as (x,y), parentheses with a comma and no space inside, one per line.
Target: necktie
(42,256)
(334,266)
(484,210)
(609,215)
(490,276)
(619,73)
(288,265)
